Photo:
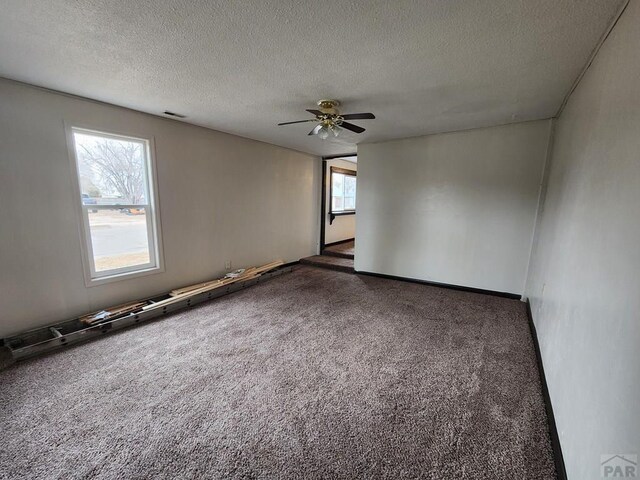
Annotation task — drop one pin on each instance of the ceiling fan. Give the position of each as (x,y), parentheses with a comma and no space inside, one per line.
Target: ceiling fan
(331,121)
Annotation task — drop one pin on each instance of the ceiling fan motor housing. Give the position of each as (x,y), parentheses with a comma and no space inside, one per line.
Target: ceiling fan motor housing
(329,107)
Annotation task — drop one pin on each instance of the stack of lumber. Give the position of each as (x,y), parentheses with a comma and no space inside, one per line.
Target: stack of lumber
(177,294)
(186,292)
(111,312)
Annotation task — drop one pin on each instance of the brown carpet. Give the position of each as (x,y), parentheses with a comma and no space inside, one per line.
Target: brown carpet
(344,250)
(327,261)
(313,374)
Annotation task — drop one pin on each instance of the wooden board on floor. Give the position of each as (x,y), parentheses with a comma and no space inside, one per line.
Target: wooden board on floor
(219,281)
(111,312)
(248,274)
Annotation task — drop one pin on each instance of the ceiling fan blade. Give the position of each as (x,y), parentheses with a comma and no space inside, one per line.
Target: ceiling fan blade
(352,127)
(358,116)
(316,129)
(315,112)
(298,121)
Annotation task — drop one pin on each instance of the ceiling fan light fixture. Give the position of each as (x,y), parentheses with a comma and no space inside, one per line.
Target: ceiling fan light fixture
(323,133)
(330,121)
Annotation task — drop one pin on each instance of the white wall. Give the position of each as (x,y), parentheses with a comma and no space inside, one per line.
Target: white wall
(584,281)
(455,208)
(343,227)
(222,197)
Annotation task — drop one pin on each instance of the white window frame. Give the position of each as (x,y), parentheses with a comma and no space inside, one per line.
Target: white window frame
(154,236)
(345,173)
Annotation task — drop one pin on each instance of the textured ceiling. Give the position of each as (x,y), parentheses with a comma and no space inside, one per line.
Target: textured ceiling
(422,66)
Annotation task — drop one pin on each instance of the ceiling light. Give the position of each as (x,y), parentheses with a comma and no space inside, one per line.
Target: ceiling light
(323,133)
(329,127)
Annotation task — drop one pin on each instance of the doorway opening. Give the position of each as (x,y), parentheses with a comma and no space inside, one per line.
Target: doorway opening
(338,213)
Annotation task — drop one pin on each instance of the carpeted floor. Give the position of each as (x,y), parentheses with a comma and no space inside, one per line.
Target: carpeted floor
(345,250)
(329,261)
(313,374)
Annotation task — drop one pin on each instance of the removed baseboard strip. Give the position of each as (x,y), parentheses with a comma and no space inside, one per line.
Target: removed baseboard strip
(41,340)
(111,312)
(248,274)
(512,296)
(218,282)
(551,419)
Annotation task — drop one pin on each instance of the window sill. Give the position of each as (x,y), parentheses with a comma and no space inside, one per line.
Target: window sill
(116,277)
(333,215)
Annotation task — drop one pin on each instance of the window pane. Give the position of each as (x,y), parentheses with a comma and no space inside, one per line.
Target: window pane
(349,186)
(337,184)
(343,192)
(349,203)
(119,238)
(112,171)
(349,192)
(113,175)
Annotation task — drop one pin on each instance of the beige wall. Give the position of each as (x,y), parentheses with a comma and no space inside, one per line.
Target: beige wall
(455,208)
(344,227)
(222,198)
(584,281)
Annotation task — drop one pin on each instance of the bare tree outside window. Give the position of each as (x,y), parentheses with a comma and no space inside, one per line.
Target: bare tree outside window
(111,168)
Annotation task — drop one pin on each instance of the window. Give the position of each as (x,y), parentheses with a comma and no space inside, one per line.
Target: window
(343,191)
(117,203)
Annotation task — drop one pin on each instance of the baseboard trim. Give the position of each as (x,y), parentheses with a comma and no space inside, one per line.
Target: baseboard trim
(40,341)
(551,419)
(512,296)
(339,242)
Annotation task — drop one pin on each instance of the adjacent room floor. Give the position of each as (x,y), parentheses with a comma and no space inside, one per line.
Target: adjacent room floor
(313,374)
(345,250)
(335,257)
